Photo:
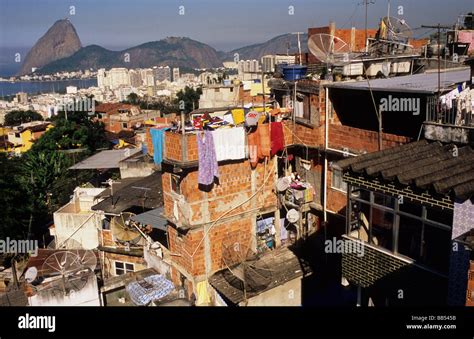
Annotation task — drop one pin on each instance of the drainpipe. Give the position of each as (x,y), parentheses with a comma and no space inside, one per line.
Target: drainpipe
(326,126)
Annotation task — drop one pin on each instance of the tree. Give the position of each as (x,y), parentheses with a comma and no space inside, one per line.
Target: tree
(79,131)
(133,98)
(15,118)
(189,97)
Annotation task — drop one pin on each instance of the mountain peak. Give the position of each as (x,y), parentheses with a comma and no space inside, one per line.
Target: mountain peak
(60,41)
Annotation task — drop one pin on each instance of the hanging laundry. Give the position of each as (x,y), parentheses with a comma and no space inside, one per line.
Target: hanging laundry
(277,137)
(253,142)
(265,143)
(259,144)
(203,297)
(207,158)
(238,116)
(157,139)
(229,143)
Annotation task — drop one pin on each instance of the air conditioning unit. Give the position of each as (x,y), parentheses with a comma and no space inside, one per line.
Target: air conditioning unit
(355,69)
(400,67)
(375,68)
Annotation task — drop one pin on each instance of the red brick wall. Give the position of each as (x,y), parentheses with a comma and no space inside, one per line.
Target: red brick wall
(222,239)
(344,34)
(470,285)
(173,147)
(357,140)
(234,187)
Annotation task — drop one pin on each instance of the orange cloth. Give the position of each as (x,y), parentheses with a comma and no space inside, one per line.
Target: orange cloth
(253,145)
(265,142)
(259,144)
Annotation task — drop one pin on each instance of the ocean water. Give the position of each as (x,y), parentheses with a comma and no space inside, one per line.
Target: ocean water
(35,87)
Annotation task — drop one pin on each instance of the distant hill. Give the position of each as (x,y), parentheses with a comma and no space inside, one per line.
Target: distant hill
(60,50)
(173,51)
(60,41)
(277,45)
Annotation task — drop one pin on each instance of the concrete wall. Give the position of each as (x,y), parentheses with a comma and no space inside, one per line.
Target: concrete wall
(67,223)
(288,294)
(87,296)
(135,169)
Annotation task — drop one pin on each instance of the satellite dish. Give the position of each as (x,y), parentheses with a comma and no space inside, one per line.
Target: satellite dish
(283,184)
(244,269)
(292,216)
(328,48)
(251,118)
(397,29)
(123,229)
(66,267)
(31,274)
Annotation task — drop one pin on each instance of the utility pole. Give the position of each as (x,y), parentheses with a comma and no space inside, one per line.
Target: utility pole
(366,3)
(438,27)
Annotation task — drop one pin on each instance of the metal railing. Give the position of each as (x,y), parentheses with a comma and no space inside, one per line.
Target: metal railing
(454,116)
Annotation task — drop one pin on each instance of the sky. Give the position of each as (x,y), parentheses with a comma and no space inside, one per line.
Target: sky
(223,24)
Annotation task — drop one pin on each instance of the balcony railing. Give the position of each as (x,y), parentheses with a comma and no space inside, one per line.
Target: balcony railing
(454,116)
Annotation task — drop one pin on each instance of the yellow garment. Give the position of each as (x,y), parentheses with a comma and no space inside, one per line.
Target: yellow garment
(203,297)
(383,30)
(238,116)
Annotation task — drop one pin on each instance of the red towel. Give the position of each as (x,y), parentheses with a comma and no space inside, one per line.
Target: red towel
(277,137)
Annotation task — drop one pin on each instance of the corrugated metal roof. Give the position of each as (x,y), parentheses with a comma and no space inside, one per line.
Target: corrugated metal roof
(106,159)
(418,83)
(423,165)
(153,218)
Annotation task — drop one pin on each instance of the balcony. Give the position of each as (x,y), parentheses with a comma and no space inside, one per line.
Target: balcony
(448,124)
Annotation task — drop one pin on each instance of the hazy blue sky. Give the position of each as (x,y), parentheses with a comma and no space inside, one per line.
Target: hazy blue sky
(223,24)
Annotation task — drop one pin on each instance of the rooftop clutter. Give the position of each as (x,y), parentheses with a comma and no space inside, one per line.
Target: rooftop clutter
(232,135)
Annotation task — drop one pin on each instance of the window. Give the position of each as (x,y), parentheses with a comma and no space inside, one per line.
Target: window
(410,237)
(440,216)
(382,228)
(337,182)
(384,200)
(17,135)
(176,183)
(123,267)
(124,125)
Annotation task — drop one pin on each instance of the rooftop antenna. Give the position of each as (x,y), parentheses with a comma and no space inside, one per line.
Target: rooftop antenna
(299,44)
(367,3)
(439,27)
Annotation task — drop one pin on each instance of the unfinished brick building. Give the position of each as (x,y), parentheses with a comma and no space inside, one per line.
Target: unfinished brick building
(202,224)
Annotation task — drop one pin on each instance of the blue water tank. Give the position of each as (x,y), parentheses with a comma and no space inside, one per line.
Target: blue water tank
(294,72)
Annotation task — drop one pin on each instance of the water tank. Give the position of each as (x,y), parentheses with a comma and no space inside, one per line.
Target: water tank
(294,72)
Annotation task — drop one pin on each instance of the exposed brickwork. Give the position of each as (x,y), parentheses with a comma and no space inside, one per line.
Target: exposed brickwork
(110,258)
(174,147)
(357,140)
(235,187)
(366,270)
(470,285)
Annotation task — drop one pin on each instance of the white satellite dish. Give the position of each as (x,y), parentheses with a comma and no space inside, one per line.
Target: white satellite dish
(398,29)
(283,184)
(328,48)
(31,274)
(292,216)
